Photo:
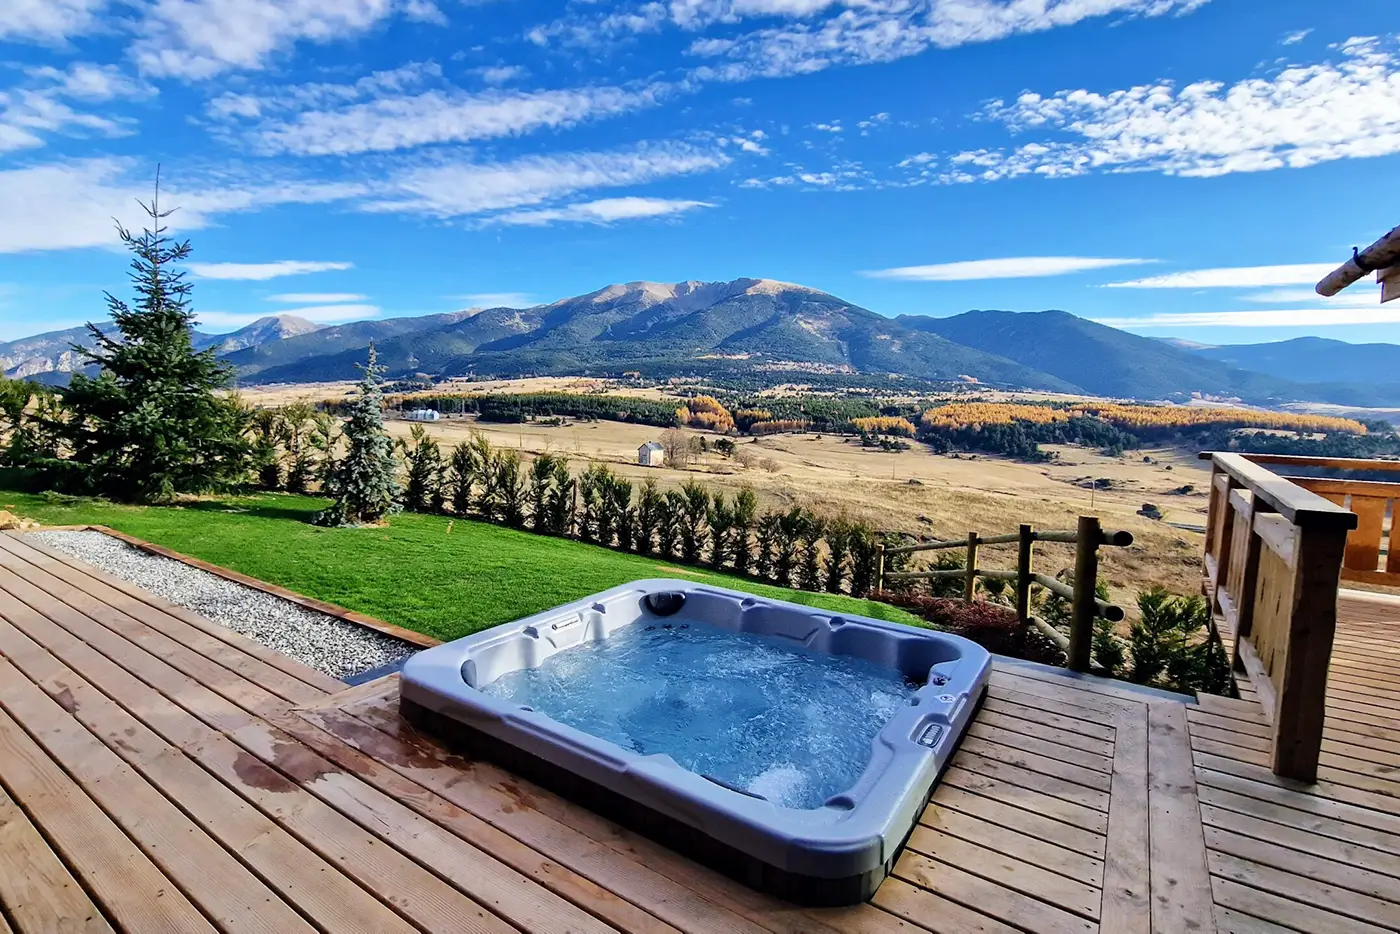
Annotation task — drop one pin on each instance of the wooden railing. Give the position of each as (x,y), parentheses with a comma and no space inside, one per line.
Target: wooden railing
(1274,554)
(1085,605)
(1372,555)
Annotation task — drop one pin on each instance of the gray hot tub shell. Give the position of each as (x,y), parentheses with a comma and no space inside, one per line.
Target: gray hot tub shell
(837,853)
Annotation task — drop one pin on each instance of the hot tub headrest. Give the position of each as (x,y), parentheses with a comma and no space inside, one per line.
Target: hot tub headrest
(664,604)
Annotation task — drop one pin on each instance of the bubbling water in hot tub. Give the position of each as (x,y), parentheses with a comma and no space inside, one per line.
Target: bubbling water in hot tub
(756,713)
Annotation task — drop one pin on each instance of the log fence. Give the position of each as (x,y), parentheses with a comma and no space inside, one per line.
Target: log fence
(1086,606)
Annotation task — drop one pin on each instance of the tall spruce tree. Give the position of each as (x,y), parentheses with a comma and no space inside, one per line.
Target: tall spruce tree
(365,482)
(152,423)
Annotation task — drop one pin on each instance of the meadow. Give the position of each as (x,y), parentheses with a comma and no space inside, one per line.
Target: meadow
(444,578)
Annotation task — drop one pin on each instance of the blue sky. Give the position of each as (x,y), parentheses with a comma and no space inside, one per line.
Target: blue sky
(1177,167)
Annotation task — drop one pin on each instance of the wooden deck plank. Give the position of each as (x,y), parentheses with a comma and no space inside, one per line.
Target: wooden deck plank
(128,887)
(297,872)
(1127,904)
(948,797)
(1342,905)
(36,889)
(228,894)
(1181,894)
(1001,902)
(934,912)
(192,718)
(635,868)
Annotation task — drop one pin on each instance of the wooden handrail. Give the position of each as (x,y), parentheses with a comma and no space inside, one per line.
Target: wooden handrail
(1274,554)
(1335,463)
(1294,503)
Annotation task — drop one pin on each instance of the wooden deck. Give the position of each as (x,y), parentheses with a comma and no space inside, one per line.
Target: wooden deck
(159,773)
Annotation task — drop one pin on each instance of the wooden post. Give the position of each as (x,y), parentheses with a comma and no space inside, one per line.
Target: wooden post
(1086,578)
(879,568)
(970,587)
(1024,570)
(1301,682)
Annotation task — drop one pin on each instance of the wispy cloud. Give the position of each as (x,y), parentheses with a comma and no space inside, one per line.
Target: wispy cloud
(198,39)
(444,116)
(71,204)
(1297,117)
(602,211)
(463,188)
(317,298)
(43,103)
(259,272)
(820,34)
(497,299)
(1232,277)
(1013,267)
(1295,37)
(1272,318)
(47,20)
(1358,297)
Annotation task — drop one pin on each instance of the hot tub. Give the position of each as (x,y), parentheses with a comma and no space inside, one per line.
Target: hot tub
(786,746)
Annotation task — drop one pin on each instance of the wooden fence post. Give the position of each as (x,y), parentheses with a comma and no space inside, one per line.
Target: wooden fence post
(1086,577)
(970,587)
(879,568)
(1024,570)
(1301,684)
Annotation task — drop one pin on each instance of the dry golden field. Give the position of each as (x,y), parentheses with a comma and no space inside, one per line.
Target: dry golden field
(931,496)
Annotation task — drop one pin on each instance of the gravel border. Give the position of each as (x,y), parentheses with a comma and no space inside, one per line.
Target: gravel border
(338,648)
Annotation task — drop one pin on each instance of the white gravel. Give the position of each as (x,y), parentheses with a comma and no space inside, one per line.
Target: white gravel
(334,646)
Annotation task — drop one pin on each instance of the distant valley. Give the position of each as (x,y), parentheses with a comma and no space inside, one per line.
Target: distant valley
(759,327)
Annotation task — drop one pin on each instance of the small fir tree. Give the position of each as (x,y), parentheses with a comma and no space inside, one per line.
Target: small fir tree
(365,481)
(153,423)
(424,490)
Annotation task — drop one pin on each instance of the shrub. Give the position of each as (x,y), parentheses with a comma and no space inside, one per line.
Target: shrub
(1173,647)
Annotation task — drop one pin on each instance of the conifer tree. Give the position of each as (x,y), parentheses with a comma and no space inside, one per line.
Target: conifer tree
(153,423)
(365,482)
(423,492)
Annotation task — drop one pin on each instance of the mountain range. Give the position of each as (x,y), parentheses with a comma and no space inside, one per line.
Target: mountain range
(51,357)
(759,324)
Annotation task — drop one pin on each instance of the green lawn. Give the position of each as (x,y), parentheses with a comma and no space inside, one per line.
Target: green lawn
(413,573)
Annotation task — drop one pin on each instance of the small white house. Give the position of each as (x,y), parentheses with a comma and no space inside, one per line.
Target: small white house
(651,454)
(423,415)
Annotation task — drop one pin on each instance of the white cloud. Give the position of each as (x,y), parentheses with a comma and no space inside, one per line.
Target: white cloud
(1293,38)
(497,299)
(443,116)
(500,74)
(47,20)
(1298,117)
(460,188)
(862,32)
(1355,298)
(1016,267)
(71,204)
(602,211)
(832,127)
(201,38)
(320,314)
(259,272)
(317,298)
(1232,277)
(1272,318)
(37,105)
